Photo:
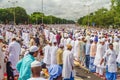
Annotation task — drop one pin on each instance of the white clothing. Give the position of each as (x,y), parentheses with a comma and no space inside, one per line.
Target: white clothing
(26,38)
(67,64)
(76,48)
(68,41)
(47,54)
(99,55)
(53,54)
(62,41)
(23,36)
(14,50)
(111,60)
(36,78)
(116,47)
(47,33)
(7,35)
(118,58)
(106,45)
(51,37)
(99,70)
(110,39)
(13,36)
(10,36)
(65,43)
(88,39)
(72,43)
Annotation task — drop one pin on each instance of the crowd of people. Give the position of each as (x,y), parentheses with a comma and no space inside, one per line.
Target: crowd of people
(27,49)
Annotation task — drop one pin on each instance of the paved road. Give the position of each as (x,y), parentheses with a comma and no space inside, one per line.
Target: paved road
(82,74)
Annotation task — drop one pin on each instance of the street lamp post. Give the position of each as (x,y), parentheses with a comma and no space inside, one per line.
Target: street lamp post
(88,14)
(13,3)
(42,12)
(88,7)
(51,18)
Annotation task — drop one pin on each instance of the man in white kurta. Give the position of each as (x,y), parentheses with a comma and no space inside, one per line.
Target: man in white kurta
(14,50)
(7,36)
(118,58)
(68,64)
(62,40)
(99,55)
(51,37)
(76,49)
(27,39)
(116,45)
(73,43)
(47,54)
(47,34)
(53,53)
(110,57)
(107,44)
(68,40)
(65,42)
(1,60)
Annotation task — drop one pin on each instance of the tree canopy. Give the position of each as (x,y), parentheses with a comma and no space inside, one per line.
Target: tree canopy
(21,17)
(103,17)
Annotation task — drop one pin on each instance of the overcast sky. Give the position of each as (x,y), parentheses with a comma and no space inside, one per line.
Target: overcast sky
(69,9)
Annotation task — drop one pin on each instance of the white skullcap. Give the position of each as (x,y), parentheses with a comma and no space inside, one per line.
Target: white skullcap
(35,64)
(76,35)
(79,38)
(59,31)
(54,41)
(92,34)
(102,40)
(66,35)
(1,37)
(116,39)
(33,49)
(92,39)
(115,34)
(61,45)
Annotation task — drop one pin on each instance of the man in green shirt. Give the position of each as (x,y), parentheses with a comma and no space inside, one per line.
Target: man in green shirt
(24,65)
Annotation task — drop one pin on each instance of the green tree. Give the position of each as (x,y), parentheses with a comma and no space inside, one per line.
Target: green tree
(103,17)
(36,17)
(21,17)
(5,16)
(20,14)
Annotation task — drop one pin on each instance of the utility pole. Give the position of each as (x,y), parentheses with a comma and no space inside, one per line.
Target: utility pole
(14,4)
(42,12)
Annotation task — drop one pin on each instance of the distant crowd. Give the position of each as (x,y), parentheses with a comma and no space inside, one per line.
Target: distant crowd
(29,51)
